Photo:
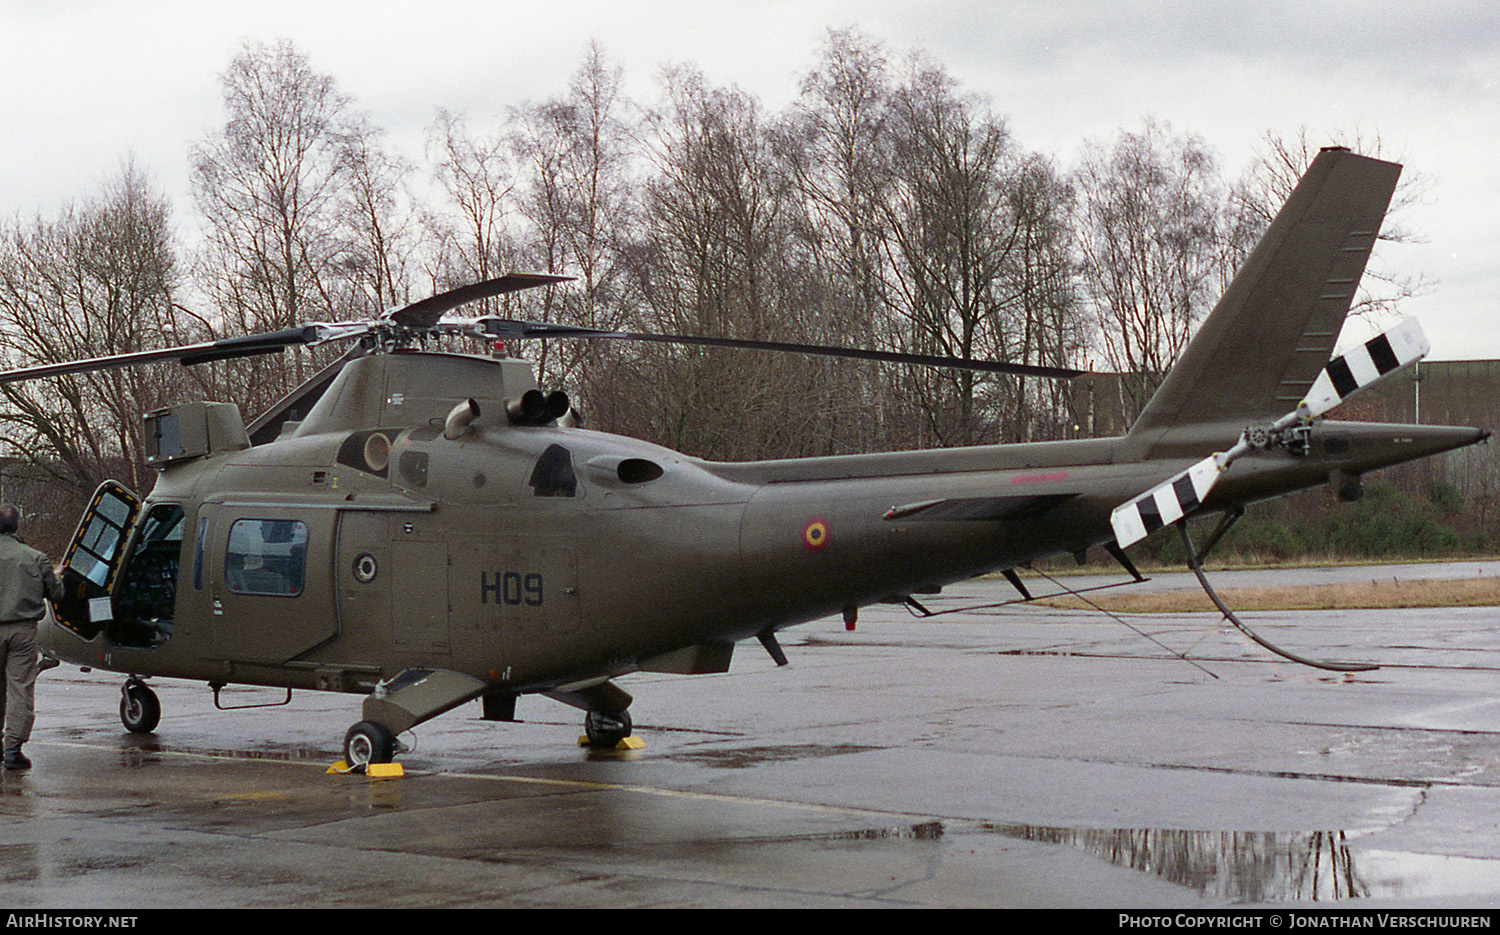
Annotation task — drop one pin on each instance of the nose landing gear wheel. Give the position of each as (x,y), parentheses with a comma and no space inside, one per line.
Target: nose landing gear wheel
(140,709)
(606,730)
(368,742)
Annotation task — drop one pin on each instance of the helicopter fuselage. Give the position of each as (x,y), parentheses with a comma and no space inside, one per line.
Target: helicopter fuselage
(433,530)
(535,557)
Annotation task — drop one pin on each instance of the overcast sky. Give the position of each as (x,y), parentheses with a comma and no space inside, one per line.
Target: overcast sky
(86,83)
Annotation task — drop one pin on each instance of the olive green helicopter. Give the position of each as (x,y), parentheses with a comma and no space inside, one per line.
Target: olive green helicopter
(427,529)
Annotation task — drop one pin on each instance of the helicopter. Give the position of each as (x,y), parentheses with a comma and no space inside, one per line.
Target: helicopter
(429,528)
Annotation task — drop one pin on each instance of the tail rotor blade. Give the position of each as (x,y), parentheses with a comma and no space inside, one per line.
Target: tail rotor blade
(1166,503)
(1372,361)
(1345,375)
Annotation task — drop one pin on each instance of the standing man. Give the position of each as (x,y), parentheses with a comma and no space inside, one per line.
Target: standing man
(26,578)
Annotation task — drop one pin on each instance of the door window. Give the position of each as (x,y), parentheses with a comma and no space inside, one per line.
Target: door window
(92,558)
(266,556)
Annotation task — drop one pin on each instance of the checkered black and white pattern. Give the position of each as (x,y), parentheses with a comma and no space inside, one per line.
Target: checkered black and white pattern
(1378,357)
(1171,500)
(1164,504)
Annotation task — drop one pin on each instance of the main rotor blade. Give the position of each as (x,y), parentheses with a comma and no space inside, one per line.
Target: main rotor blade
(425,314)
(418,315)
(245,346)
(522,329)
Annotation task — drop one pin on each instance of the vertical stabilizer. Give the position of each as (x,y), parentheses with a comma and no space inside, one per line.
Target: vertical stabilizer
(1271,333)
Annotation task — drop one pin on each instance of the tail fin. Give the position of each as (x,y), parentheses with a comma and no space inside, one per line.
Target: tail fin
(1260,349)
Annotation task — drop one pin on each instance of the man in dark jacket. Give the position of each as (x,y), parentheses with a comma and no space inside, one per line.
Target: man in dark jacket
(26,580)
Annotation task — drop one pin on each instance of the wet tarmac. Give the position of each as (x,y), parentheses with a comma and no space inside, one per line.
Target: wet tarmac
(1002,757)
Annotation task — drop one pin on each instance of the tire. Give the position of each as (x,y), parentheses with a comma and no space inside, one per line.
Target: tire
(368,742)
(606,730)
(140,709)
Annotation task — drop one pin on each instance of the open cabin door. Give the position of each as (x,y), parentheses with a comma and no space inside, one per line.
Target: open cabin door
(94,558)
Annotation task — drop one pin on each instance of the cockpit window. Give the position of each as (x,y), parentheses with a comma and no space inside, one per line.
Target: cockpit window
(145,597)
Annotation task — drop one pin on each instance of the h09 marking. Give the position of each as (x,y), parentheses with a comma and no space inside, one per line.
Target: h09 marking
(511,588)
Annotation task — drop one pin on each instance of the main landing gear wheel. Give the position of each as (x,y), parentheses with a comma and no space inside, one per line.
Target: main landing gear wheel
(140,709)
(368,742)
(606,730)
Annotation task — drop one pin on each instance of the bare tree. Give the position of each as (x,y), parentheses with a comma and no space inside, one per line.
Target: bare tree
(99,280)
(1043,274)
(955,237)
(269,185)
(834,144)
(1151,238)
(377,222)
(575,158)
(477,174)
(841,166)
(716,262)
(929,229)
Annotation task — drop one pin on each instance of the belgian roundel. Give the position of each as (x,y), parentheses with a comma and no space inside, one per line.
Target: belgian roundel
(815,535)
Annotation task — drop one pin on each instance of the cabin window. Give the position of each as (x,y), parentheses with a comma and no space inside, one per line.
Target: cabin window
(92,559)
(553,475)
(266,556)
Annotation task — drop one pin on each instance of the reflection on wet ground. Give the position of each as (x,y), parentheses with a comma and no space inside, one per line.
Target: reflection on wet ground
(1272,866)
(935,764)
(140,751)
(745,757)
(921,831)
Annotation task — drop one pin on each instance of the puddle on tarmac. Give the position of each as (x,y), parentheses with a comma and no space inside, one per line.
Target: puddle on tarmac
(745,757)
(144,751)
(1258,866)
(922,831)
